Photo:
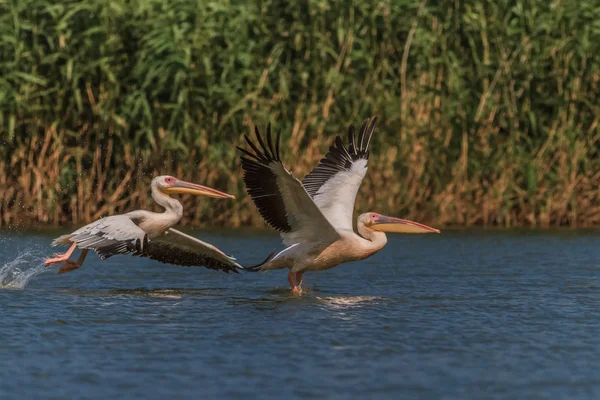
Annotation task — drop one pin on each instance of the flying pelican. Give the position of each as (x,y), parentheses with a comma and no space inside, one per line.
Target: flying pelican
(314,217)
(147,234)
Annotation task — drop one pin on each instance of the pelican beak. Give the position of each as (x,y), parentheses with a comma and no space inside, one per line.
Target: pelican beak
(182,187)
(391,224)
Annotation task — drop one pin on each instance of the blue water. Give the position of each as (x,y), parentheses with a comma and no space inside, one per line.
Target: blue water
(483,314)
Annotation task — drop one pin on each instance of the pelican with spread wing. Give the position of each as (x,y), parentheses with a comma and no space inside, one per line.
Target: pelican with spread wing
(314,216)
(148,234)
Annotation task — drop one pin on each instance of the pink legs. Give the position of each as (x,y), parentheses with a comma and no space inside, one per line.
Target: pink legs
(69,265)
(299,278)
(59,258)
(295,280)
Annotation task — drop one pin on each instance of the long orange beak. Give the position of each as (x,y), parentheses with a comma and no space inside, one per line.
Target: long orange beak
(180,187)
(391,224)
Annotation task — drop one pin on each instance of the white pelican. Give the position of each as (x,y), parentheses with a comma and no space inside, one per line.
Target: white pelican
(314,216)
(148,234)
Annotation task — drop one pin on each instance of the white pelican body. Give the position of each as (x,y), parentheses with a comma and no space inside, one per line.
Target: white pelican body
(314,217)
(148,234)
(325,254)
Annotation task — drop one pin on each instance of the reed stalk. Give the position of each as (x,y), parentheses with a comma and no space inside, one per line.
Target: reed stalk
(488,110)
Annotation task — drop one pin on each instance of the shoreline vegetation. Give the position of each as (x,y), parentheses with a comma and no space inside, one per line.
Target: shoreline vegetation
(488,112)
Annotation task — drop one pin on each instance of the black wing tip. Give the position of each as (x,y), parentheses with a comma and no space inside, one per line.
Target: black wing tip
(266,152)
(260,178)
(277,141)
(258,267)
(364,136)
(371,128)
(339,157)
(369,122)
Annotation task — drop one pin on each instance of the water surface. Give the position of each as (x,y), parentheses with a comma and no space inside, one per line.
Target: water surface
(483,314)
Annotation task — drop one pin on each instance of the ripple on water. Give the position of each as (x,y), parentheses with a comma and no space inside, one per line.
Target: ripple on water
(448,316)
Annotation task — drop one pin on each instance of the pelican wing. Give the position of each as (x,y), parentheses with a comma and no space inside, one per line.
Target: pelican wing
(175,247)
(108,236)
(280,198)
(334,183)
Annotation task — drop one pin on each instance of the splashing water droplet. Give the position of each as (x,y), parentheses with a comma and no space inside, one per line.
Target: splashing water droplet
(17,273)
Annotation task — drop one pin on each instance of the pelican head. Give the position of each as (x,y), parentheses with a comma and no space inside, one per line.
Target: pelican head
(170,185)
(382,223)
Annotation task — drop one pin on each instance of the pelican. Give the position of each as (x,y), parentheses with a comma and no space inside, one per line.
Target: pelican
(314,217)
(148,234)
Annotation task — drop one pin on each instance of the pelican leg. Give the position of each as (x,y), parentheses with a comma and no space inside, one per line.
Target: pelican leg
(292,282)
(71,266)
(299,279)
(59,258)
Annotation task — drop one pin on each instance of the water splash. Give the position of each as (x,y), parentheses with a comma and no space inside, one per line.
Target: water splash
(17,273)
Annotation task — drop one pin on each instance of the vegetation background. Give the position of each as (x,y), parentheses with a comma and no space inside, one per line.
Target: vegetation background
(488,109)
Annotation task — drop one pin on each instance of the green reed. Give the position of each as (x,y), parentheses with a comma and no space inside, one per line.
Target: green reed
(488,109)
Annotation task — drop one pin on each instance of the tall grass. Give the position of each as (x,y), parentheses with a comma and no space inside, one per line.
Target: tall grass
(489,109)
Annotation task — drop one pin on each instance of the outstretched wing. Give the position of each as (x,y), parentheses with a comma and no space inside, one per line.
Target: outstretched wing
(119,234)
(280,198)
(334,183)
(108,236)
(178,248)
